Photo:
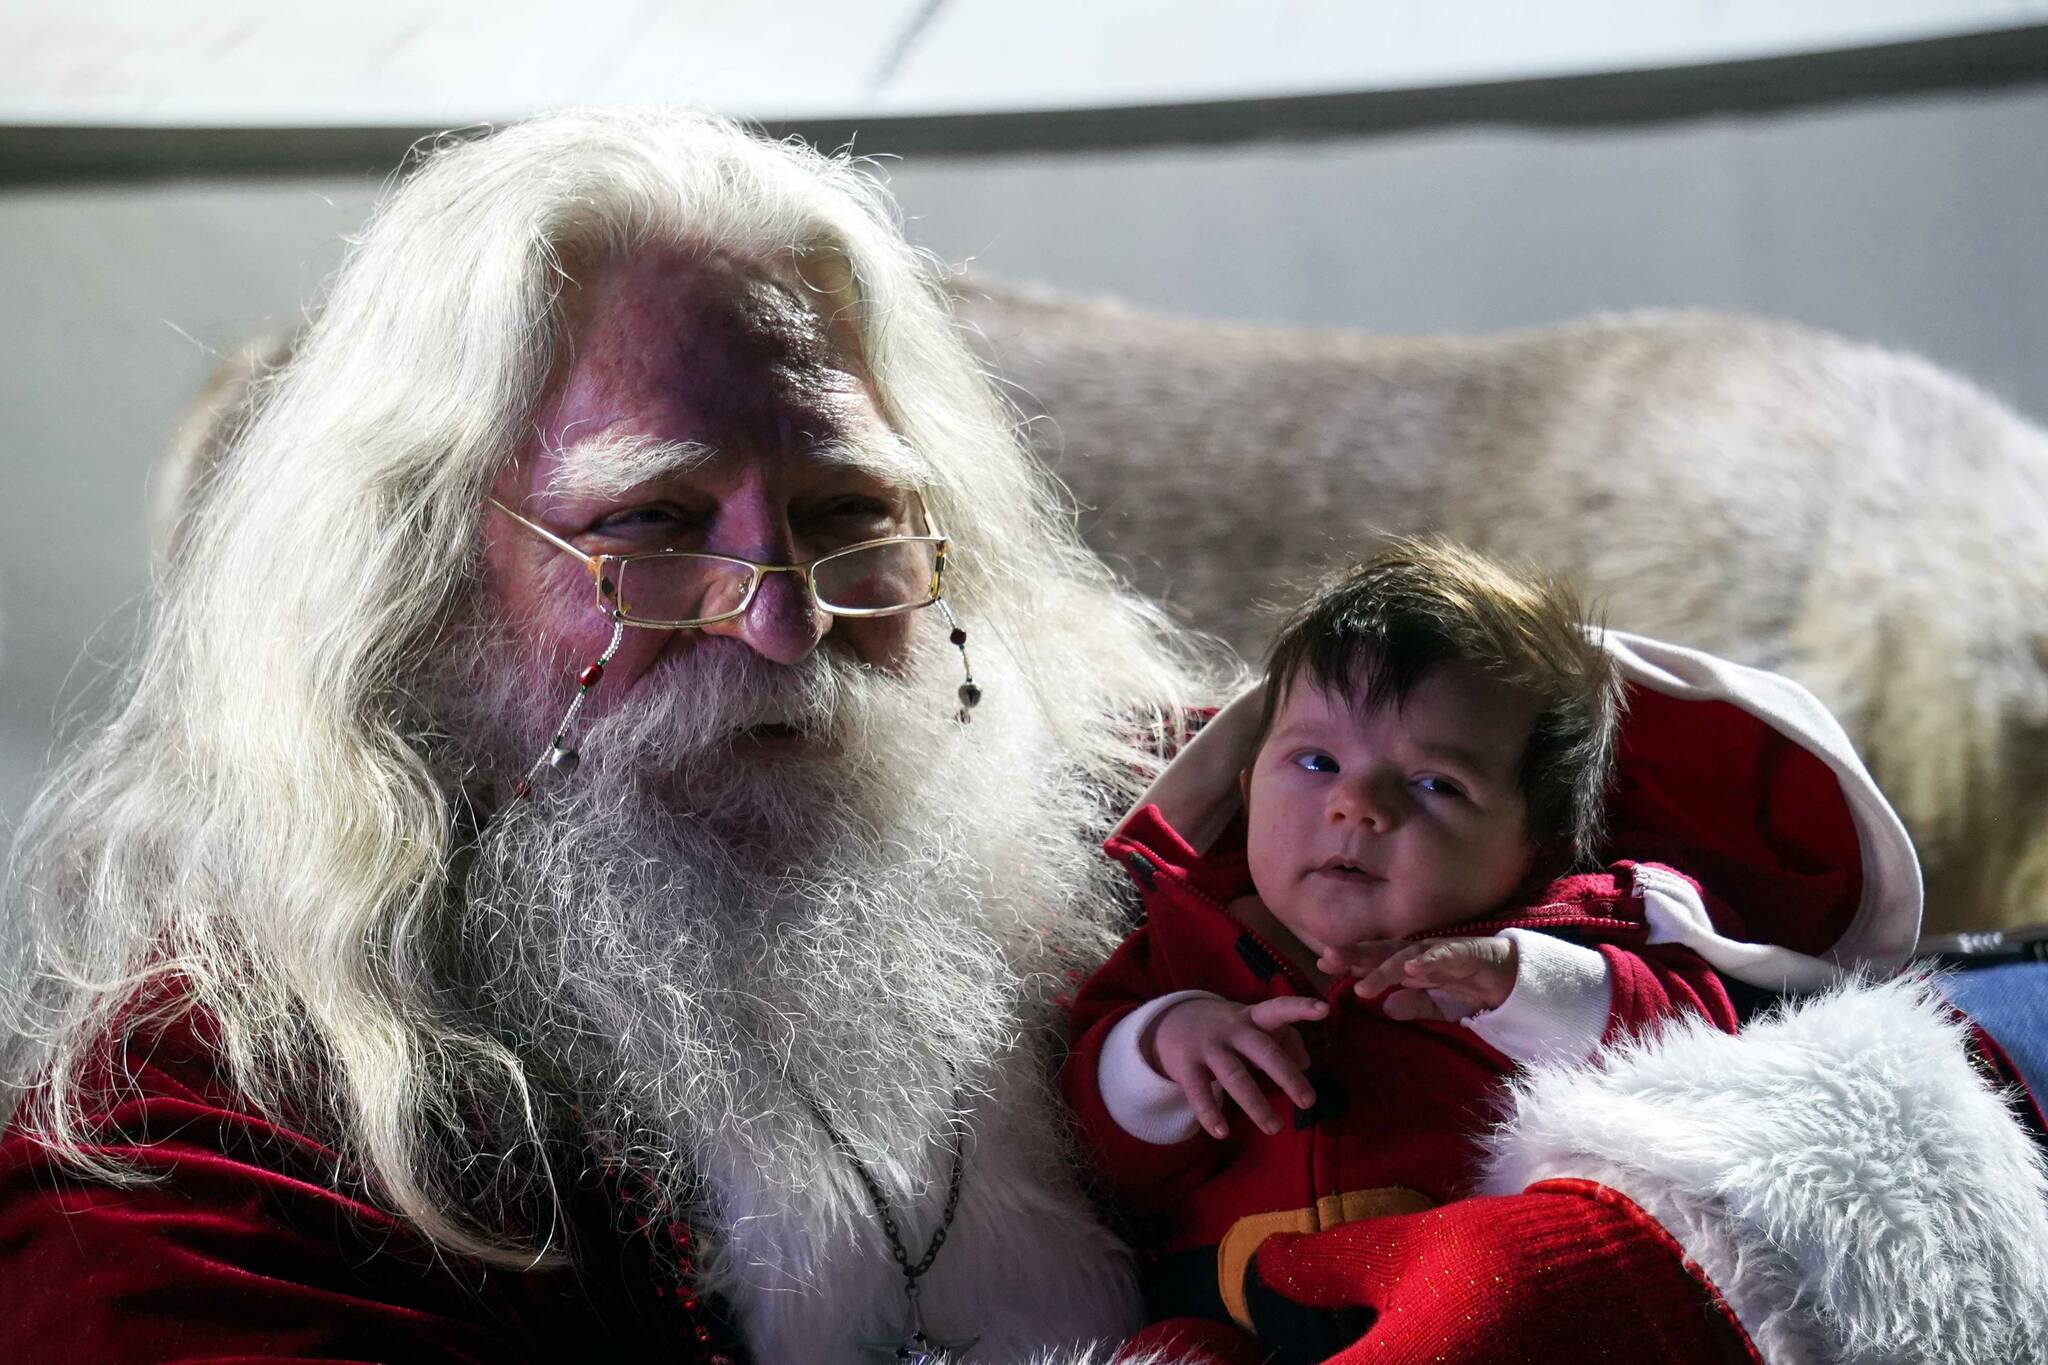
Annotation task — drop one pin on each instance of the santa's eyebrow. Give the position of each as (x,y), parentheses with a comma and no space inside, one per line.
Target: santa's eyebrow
(889,458)
(612,466)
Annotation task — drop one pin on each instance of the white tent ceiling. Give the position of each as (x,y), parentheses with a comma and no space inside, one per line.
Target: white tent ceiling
(410,62)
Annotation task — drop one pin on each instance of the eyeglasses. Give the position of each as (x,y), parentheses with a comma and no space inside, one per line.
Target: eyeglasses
(680,589)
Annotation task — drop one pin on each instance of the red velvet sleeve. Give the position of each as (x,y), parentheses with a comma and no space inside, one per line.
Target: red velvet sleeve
(1143,1177)
(245,1246)
(1651,985)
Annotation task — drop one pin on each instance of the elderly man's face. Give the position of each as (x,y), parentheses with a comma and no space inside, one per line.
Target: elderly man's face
(704,406)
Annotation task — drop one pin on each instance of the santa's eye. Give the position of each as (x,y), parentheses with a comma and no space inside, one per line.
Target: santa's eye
(849,520)
(650,521)
(854,507)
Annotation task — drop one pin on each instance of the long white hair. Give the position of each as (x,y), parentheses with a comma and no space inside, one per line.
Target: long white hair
(260,821)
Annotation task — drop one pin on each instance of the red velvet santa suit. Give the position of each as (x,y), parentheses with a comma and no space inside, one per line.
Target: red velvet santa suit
(253,1241)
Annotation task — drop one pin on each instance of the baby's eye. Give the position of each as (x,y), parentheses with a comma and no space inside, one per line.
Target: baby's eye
(1316,762)
(1439,786)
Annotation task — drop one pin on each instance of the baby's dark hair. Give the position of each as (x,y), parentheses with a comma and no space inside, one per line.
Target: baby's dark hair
(1371,634)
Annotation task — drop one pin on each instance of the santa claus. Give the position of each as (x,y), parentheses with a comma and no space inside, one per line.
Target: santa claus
(607,807)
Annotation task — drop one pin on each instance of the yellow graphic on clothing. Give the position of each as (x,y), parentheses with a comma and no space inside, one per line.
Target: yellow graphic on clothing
(1234,1252)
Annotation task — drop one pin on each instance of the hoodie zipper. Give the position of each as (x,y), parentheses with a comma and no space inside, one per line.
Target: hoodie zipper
(1294,977)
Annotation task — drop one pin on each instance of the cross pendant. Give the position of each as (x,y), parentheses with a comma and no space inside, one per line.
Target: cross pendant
(918,1348)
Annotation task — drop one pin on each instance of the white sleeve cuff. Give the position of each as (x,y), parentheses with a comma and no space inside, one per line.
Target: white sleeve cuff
(1144,1103)
(1558,1010)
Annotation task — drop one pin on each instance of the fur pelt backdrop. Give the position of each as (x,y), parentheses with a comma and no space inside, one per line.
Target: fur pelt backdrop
(1856,518)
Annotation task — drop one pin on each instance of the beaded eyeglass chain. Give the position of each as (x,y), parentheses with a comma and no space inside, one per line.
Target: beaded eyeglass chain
(560,756)
(970,695)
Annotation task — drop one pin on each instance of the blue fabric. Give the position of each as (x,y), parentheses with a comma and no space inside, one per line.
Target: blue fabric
(2011,1001)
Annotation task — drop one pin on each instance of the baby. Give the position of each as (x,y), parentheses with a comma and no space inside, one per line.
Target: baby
(1399,918)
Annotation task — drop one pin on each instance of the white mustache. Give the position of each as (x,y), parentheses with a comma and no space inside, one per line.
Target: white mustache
(699,702)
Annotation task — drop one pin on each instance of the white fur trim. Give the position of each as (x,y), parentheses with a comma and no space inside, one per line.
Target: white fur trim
(1144,1103)
(1839,1171)
(1558,1010)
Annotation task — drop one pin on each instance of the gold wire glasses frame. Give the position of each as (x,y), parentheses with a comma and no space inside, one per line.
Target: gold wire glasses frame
(718,578)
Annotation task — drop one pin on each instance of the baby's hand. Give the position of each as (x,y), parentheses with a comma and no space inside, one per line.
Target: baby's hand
(1203,1044)
(1357,959)
(1477,973)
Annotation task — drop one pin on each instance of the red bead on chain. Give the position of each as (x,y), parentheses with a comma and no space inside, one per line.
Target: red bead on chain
(591,676)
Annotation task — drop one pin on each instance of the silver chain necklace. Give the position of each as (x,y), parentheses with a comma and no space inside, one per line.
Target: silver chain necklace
(917,1348)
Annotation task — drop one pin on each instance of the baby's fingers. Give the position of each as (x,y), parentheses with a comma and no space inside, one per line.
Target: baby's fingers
(1285,1009)
(1411,1004)
(1270,1053)
(1200,1088)
(1289,1039)
(1356,959)
(1391,972)
(1241,1085)
(1442,963)
(1479,971)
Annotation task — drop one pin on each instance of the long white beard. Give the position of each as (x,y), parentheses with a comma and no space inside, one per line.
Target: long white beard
(692,946)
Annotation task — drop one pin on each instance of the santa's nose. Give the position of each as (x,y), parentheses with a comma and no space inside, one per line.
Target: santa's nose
(781,624)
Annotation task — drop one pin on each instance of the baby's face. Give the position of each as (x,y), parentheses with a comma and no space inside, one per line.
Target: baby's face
(1402,820)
